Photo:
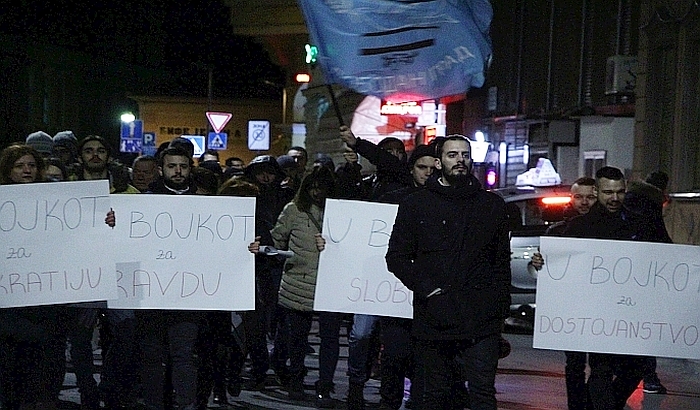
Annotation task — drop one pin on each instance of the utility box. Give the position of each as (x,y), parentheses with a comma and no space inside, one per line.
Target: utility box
(620,75)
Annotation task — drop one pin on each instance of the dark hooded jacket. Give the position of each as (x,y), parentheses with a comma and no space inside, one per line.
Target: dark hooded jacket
(648,200)
(268,205)
(272,197)
(456,239)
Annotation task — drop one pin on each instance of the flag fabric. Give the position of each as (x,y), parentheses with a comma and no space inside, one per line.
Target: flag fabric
(401,50)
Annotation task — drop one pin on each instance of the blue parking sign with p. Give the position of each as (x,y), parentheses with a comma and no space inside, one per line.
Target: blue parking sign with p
(149,143)
(217,140)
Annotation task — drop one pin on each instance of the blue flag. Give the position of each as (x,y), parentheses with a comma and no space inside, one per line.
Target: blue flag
(401,50)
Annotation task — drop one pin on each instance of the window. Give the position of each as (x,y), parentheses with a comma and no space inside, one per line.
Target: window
(593,161)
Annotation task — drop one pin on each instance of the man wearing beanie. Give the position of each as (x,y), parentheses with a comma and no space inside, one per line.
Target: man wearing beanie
(65,148)
(41,142)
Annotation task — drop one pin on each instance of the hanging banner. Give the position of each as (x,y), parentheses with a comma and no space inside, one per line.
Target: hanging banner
(399,50)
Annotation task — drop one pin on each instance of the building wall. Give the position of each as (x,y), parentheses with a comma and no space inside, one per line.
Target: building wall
(170,117)
(614,135)
(52,89)
(549,57)
(668,93)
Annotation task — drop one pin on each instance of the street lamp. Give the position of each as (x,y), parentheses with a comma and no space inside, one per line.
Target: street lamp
(128,117)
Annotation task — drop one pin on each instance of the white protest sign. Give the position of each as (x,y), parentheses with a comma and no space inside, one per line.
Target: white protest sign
(625,297)
(352,274)
(184,252)
(56,247)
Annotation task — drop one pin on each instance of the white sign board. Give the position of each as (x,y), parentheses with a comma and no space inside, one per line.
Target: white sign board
(56,247)
(184,252)
(352,274)
(605,296)
(258,135)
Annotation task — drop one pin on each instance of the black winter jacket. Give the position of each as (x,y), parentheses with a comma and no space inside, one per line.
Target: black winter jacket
(599,223)
(455,239)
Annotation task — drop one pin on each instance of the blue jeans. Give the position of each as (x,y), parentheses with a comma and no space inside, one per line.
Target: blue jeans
(441,365)
(359,346)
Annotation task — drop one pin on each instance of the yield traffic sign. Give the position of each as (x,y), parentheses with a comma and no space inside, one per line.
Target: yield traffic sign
(218,120)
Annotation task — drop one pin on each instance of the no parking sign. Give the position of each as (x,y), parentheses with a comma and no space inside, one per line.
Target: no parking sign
(258,135)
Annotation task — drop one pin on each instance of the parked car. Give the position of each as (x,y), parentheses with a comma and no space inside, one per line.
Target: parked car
(531,210)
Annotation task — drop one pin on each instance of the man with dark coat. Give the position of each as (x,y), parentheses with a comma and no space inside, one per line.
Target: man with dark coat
(264,172)
(170,333)
(613,377)
(389,156)
(397,361)
(450,246)
(583,196)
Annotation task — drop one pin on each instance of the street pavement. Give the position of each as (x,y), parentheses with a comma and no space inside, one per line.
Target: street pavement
(528,379)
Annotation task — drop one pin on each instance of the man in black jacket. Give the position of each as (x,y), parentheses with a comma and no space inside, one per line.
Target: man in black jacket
(396,332)
(265,173)
(170,332)
(583,197)
(613,377)
(389,156)
(450,246)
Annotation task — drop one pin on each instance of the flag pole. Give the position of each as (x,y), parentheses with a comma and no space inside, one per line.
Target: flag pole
(334,102)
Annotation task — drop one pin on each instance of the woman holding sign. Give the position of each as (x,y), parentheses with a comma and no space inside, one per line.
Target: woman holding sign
(298,230)
(31,346)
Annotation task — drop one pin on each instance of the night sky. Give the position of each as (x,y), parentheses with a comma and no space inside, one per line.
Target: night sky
(183,38)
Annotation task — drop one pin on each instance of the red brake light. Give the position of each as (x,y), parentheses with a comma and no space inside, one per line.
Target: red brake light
(556,200)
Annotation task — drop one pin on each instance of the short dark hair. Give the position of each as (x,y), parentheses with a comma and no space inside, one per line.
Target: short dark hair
(56,162)
(609,173)
(300,149)
(229,161)
(176,152)
(206,179)
(209,152)
(440,142)
(183,143)
(144,158)
(94,138)
(388,141)
(659,179)
(584,181)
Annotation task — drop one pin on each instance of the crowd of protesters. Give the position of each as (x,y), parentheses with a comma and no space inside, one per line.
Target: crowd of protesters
(182,359)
